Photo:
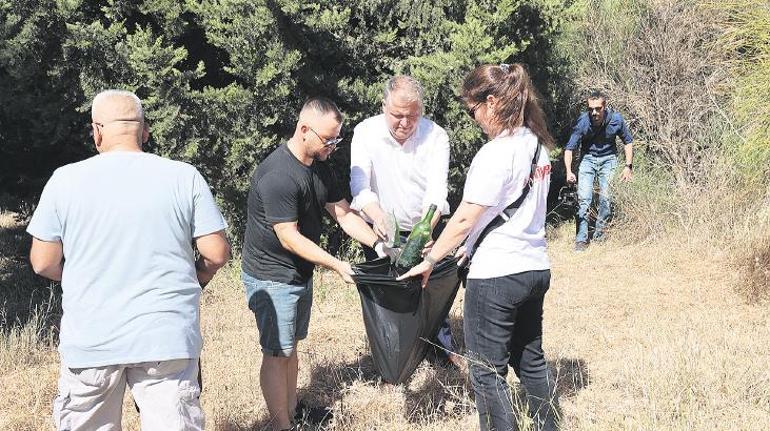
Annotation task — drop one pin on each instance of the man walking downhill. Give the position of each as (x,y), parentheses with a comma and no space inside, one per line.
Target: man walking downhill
(118,230)
(289,192)
(399,162)
(595,132)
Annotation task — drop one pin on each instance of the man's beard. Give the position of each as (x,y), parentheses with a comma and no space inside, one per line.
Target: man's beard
(320,156)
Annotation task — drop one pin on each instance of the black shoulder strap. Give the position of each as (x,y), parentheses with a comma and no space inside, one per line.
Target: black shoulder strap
(510,210)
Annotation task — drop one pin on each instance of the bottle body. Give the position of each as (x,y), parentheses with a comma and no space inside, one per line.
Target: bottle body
(411,253)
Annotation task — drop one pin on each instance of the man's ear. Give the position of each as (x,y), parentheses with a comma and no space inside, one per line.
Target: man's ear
(145,133)
(97,136)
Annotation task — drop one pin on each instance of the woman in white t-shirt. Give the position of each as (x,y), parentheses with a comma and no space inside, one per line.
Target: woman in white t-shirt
(509,273)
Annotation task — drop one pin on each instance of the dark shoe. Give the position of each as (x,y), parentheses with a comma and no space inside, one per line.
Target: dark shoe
(304,414)
(438,358)
(581,246)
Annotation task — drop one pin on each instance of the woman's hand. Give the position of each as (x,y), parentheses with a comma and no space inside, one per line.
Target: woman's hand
(423,268)
(427,248)
(462,255)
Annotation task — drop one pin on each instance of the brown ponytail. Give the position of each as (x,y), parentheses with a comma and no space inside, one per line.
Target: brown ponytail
(518,101)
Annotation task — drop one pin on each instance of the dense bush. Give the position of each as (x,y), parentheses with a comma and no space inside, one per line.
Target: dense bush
(222,79)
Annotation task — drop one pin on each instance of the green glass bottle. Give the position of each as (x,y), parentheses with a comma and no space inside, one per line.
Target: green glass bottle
(411,254)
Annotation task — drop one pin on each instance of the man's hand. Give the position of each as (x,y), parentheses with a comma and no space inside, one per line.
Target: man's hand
(378,217)
(345,271)
(383,250)
(462,255)
(380,228)
(627,174)
(423,268)
(571,178)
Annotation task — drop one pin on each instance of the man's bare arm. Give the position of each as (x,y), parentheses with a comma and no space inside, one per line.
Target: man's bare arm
(351,223)
(568,166)
(214,254)
(293,241)
(47,258)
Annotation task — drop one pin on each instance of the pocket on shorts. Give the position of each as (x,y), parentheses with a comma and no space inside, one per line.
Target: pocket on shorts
(91,377)
(167,368)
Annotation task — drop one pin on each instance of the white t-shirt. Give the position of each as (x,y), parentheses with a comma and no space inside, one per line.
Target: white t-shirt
(496,179)
(127,221)
(404,179)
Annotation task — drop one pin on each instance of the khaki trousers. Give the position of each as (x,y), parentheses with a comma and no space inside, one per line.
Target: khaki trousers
(166,392)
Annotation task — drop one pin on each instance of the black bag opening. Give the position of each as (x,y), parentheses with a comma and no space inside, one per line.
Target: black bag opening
(400,315)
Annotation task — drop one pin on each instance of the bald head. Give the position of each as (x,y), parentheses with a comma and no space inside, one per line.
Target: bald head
(118,120)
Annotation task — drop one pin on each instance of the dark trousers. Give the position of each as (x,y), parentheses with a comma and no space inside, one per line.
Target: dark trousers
(503,322)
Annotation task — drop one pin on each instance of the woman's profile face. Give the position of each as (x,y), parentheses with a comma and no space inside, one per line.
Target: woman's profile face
(481,114)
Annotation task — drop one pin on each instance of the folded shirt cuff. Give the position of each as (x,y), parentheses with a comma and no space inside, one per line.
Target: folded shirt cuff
(362,199)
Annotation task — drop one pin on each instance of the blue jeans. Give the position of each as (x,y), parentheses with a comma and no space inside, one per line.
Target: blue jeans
(601,168)
(282,312)
(504,326)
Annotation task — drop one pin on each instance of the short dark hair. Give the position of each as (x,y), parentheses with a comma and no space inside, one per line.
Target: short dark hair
(323,106)
(597,94)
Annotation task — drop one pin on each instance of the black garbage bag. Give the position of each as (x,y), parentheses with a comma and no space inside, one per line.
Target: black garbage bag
(400,315)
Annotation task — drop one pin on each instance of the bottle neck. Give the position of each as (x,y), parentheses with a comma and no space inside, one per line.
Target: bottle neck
(429,216)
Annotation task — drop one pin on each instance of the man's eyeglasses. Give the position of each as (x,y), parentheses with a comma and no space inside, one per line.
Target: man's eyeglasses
(91,130)
(332,142)
(472,111)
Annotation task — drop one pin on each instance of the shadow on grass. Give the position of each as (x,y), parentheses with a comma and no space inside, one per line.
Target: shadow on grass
(260,425)
(438,394)
(24,296)
(572,375)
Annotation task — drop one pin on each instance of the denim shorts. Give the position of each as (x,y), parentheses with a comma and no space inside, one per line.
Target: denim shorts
(282,312)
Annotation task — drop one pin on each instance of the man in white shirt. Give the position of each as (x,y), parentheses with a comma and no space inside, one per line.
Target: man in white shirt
(399,162)
(118,230)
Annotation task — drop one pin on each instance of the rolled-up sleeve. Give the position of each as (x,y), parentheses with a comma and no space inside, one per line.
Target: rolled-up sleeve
(360,171)
(577,134)
(625,134)
(438,170)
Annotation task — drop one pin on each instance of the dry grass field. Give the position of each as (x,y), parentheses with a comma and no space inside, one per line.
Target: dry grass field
(642,337)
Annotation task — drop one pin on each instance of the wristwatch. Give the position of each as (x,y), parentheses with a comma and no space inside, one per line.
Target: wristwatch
(630,166)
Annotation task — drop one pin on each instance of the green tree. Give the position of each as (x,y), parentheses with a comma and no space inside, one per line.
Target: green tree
(222,80)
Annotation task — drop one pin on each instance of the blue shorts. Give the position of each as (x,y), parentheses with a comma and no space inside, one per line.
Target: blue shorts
(282,312)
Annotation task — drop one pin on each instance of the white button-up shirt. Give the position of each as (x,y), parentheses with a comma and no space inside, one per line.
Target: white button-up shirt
(404,179)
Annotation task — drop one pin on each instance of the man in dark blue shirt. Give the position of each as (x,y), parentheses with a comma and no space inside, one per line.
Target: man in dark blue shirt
(595,132)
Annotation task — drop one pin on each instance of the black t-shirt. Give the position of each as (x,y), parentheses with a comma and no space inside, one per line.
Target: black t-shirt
(285,190)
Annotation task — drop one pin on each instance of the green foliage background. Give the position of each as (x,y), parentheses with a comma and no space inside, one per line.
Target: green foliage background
(222,80)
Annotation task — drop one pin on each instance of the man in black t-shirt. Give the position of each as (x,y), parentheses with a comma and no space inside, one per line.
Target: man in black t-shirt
(289,192)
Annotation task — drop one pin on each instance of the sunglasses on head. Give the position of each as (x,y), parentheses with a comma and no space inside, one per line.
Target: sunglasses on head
(472,111)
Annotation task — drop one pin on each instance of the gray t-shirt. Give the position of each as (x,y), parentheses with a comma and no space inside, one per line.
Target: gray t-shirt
(127,221)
